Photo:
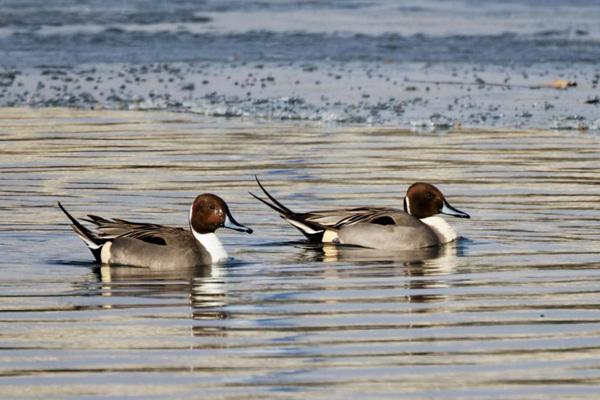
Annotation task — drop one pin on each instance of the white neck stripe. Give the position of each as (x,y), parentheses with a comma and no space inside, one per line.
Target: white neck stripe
(441,228)
(212,244)
(407,205)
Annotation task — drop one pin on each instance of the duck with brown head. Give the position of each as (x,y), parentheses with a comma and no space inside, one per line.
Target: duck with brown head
(417,226)
(117,241)
(207,214)
(424,200)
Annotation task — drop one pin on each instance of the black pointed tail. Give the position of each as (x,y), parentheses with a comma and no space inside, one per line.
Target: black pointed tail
(313,231)
(93,242)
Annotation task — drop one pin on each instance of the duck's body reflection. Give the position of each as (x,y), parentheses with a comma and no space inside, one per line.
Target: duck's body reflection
(431,264)
(357,254)
(424,280)
(203,286)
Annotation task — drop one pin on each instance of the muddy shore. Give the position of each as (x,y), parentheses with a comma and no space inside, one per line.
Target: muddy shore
(417,95)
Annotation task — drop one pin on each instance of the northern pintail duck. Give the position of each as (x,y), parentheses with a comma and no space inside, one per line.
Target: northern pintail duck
(116,241)
(414,227)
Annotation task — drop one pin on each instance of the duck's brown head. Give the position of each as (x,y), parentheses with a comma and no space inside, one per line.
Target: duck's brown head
(425,200)
(209,212)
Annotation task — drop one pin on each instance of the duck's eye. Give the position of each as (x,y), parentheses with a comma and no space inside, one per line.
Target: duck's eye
(429,196)
(212,206)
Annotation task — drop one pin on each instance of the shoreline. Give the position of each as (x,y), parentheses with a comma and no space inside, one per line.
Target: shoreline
(211,122)
(417,96)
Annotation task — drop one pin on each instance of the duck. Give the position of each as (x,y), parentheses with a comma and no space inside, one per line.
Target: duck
(415,226)
(116,241)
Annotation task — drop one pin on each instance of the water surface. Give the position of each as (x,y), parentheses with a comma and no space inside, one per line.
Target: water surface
(348,61)
(75,32)
(509,311)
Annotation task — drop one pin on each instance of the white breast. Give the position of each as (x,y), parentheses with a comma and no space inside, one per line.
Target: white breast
(213,245)
(442,229)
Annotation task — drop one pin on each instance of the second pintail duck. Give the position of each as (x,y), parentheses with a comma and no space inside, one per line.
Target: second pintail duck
(415,226)
(121,242)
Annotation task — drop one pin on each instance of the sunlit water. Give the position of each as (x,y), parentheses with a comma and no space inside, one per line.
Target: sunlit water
(509,311)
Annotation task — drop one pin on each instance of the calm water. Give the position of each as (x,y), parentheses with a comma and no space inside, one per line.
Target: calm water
(522,32)
(509,311)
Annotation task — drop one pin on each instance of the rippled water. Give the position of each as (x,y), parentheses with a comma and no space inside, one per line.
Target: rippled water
(476,63)
(75,32)
(509,311)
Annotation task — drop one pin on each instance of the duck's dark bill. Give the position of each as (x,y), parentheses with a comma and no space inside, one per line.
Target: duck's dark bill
(449,210)
(236,226)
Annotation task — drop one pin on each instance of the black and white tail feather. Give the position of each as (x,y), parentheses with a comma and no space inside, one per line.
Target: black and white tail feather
(108,230)
(312,230)
(91,240)
(322,226)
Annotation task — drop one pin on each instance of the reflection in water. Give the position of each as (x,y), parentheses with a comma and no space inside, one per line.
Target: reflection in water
(123,274)
(204,285)
(430,262)
(334,253)
(510,312)
(209,302)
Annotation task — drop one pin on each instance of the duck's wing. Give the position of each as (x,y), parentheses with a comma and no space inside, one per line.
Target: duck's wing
(344,217)
(314,224)
(110,229)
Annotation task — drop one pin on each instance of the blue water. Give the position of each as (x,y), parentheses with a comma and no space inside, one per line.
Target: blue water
(490,32)
(373,62)
(510,311)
